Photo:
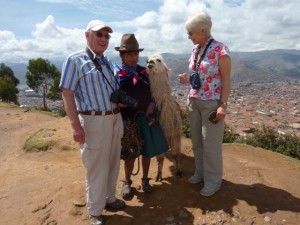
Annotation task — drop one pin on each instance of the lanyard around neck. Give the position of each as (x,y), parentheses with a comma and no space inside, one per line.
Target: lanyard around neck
(196,65)
(99,68)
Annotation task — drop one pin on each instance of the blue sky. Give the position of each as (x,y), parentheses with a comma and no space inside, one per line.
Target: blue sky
(53,29)
(67,13)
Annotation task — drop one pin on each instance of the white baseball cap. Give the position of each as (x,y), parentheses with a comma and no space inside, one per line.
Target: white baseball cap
(96,25)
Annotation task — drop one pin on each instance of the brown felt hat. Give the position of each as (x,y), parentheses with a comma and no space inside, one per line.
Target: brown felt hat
(129,43)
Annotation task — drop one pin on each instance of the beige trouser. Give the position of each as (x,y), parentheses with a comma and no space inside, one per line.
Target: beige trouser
(207,139)
(101,158)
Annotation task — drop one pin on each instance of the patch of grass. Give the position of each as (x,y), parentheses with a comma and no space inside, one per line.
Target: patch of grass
(8,105)
(47,112)
(35,141)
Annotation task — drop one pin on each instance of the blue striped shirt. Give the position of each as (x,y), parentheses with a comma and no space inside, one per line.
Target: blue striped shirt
(91,89)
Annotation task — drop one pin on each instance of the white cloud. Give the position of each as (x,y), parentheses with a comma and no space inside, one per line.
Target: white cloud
(49,41)
(147,21)
(244,25)
(6,36)
(47,29)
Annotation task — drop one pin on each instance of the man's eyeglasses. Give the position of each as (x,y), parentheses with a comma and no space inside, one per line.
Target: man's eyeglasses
(100,35)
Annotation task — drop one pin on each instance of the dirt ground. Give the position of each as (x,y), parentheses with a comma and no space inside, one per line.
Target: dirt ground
(39,188)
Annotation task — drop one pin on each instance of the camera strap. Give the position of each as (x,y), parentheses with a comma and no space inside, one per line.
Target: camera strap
(99,68)
(196,65)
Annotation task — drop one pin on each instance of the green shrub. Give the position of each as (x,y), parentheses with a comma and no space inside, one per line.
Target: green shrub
(289,144)
(186,125)
(268,138)
(229,135)
(62,112)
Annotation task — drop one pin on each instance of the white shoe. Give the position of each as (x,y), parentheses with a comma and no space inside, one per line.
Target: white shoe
(195,179)
(209,192)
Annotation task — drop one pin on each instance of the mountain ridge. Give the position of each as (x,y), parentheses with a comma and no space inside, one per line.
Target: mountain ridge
(247,67)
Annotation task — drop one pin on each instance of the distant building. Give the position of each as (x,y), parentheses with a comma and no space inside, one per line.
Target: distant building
(295,126)
(31,93)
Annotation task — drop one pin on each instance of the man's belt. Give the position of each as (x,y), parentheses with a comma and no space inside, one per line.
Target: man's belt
(100,113)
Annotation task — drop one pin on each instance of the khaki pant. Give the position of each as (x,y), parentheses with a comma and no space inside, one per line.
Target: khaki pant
(207,139)
(101,158)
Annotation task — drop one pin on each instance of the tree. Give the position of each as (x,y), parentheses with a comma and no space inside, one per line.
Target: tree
(54,92)
(41,76)
(8,84)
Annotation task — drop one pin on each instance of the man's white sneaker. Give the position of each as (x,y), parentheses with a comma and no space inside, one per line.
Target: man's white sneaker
(96,220)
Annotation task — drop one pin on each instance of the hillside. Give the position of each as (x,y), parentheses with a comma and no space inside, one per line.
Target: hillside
(38,188)
(280,62)
(250,67)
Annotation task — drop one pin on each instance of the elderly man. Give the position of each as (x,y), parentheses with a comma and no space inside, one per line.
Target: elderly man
(87,83)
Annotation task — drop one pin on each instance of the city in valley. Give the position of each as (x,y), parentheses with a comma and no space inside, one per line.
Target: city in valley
(253,105)
(250,106)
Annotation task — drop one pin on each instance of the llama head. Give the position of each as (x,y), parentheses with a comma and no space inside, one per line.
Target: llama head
(157,66)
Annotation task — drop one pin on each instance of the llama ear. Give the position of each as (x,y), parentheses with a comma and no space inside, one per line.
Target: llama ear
(168,72)
(166,67)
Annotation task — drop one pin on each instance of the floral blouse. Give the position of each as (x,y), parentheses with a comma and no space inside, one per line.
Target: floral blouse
(210,74)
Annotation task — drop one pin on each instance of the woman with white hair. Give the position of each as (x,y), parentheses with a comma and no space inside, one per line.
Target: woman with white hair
(210,67)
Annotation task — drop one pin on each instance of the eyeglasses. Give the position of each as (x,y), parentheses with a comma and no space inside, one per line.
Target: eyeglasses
(189,33)
(100,35)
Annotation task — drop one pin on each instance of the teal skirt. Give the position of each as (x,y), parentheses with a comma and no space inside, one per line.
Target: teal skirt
(155,142)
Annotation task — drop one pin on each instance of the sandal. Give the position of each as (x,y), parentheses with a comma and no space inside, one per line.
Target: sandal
(145,185)
(116,205)
(126,189)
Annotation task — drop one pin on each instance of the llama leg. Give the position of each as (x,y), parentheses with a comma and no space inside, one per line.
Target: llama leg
(176,160)
(160,163)
(175,153)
